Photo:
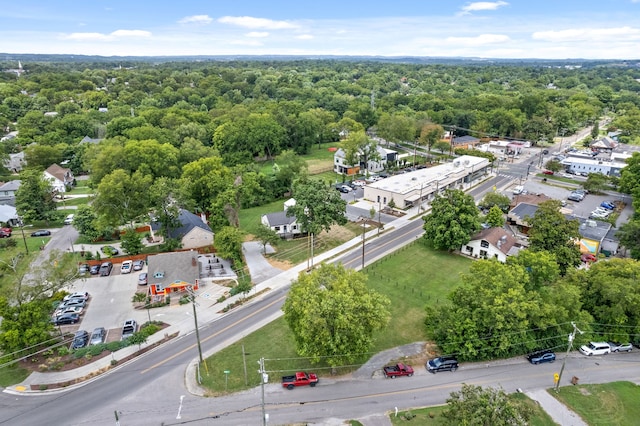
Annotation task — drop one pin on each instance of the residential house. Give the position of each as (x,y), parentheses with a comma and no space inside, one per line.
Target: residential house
(9,215)
(193,232)
(15,162)
(341,166)
(285,226)
(170,273)
(593,234)
(87,139)
(605,144)
(8,192)
(492,243)
(61,178)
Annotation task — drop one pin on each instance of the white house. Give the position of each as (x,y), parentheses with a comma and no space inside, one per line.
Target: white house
(61,179)
(285,226)
(340,164)
(491,243)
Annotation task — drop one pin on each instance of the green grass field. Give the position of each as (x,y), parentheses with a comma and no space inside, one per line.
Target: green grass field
(607,404)
(12,374)
(405,286)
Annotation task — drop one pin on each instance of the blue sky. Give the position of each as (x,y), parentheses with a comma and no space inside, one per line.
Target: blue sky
(559,29)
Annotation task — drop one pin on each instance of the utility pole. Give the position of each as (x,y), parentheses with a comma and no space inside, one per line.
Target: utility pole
(195,319)
(363,232)
(263,378)
(572,336)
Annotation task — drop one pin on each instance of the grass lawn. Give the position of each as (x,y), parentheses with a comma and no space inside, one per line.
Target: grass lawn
(12,374)
(432,416)
(405,286)
(607,404)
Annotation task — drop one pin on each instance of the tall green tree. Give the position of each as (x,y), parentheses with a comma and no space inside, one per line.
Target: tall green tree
(132,242)
(629,235)
(596,182)
(266,235)
(454,218)
(551,231)
(495,217)
(228,243)
(359,149)
(495,199)
(333,314)
(473,405)
(34,198)
(122,198)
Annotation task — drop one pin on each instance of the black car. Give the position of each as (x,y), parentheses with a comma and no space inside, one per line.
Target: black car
(540,357)
(80,339)
(66,319)
(41,233)
(94,270)
(443,363)
(105,269)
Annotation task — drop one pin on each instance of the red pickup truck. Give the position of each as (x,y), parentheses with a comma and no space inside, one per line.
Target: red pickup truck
(299,379)
(5,232)
(393,371)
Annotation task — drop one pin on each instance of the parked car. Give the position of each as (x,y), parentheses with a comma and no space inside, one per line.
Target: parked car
(588,257)
(73,302)
(443,363)
(129,327)
(69,310)
(83,269)
(126,267)
(344,189)
(608,205)
(541,357)
(359,182)
(109,250)
(393,371)
(547,172)
(138,265)
(69,219)
(105,269)
(80,339)
(575,196)
(142,279)
(620,347)
(97,336)
(83,295)
(94,269)
(41,233)
(518,190)
(299,379)
(66,319)
(595,348)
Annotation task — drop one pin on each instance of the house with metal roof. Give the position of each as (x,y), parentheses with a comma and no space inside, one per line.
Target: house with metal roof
(193,232)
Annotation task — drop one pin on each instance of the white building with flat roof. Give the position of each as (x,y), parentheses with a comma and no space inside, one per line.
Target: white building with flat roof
(413,188)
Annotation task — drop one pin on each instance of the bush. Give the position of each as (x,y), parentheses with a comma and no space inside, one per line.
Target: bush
(63,350)
(114,346)
(8,242)
(184,300)
(149,329)
(96,350)
(80,353)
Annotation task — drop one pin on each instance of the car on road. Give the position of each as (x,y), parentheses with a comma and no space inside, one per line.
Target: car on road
(129,327)
(105,269)
(344,189)
(69,219)
(80,339)
(541,357)
(66,319)
(94,269)
(620,347)
(41,233)
(143,279)
(109,250)
(547,172)
(97,336)
(126,267)
(138,265)
(443,363)
(595,348)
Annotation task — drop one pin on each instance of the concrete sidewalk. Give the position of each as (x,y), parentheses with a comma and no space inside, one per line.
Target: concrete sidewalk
(559,412)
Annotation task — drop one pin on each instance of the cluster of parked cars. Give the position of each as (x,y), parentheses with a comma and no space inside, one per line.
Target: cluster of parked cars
(70,309)
(603,211)
(81,338)
(577,195)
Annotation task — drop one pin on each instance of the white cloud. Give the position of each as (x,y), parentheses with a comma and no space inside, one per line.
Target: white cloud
(482,5)
(256,23)
(308,36)
(588,34)
(257,34)
(118,34)
(196,19)
(478,40)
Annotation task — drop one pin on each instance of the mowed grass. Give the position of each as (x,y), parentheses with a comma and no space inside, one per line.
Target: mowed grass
(411,278)
(12,374)
(607,404)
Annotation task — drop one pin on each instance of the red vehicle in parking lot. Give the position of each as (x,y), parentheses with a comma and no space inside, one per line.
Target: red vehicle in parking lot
(547,172)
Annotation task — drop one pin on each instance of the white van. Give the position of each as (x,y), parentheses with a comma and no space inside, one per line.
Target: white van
(69,219)
(518,190)
(596,348)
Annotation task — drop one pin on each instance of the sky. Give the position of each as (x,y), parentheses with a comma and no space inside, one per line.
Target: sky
(542,29)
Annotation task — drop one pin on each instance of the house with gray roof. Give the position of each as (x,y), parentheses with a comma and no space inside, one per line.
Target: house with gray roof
(172,273)
(193,232)
(8,192)
(16,162)
(285,226)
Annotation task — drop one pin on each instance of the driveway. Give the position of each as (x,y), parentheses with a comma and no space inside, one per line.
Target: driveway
(259,268)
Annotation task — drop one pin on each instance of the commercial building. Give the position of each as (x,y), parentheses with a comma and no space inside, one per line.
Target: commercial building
(413,188)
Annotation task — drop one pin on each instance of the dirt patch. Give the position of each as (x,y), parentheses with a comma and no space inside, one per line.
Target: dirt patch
(280,264)
(584,391)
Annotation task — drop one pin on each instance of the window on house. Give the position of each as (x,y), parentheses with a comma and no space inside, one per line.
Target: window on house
(277,228)
(385,200)
(378,198)
(483,253)
(469,249)
(484,244)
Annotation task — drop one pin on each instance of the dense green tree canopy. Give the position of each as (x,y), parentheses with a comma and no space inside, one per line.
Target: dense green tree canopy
(475,406)
(454,218)
(34,198)
(333,314)
(317,207)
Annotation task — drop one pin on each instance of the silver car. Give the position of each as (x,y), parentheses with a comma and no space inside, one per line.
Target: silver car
(97,336)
